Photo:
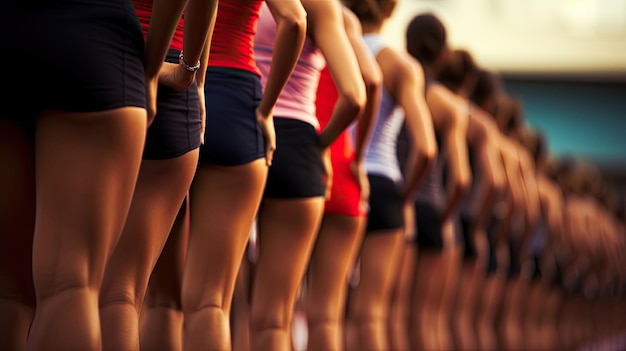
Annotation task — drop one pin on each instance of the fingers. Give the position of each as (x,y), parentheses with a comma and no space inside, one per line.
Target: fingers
(266,124)
(176,77)
(269,153)
(151,93)
(409,221)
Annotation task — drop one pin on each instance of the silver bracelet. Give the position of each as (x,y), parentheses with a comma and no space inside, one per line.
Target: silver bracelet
(181,61)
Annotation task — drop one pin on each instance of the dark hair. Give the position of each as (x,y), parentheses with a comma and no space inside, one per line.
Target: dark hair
(535,143)
(486,86)
(425,38)
(457,68)
(367,11)
(510,114)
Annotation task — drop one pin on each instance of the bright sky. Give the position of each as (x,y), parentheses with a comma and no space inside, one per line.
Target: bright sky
(528,35)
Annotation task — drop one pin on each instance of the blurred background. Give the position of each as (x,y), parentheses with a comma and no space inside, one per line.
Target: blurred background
(565,59)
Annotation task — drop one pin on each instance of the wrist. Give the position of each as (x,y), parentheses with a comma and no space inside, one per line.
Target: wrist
(187,66)
(323,140)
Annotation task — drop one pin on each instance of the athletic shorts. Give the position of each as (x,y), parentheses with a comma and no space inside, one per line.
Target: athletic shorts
(176,126)
(296,171)
(515,257)
(468,225)
(345,193)
(537,272)
(232,135)
(428,220)
(73,56)
(492,241)
(385,202)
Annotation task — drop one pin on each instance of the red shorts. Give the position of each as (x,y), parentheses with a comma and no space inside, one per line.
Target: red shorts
(345,193)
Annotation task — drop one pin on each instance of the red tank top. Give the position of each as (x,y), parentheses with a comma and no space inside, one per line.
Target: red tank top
(232,45)
(143,10)
(325,104)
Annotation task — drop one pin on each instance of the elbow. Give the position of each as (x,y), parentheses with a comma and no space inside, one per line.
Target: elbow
(294,21)
(355,99)
(373,81)
(427,154)
(463,184)
(498,185)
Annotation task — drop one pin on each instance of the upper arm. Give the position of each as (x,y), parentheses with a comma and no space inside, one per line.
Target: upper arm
(409,91)
(326,27)
(287,10)
(455,137)
(512,170)
(370,71)
(530,185)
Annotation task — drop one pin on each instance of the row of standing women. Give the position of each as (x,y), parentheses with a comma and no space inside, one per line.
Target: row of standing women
(74,149)
(282,111)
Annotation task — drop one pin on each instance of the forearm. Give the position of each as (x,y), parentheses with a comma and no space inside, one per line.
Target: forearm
(417,167)
(345,112)
(367,120)
(204,63)
(488,196)
(459,178)
(165,17)
(200,18)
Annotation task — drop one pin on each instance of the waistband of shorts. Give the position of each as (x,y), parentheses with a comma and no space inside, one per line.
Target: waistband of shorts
(233,71)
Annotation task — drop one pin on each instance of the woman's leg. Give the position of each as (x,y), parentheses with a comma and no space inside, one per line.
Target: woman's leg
(350,327)
(161,322)
(452,263)
(160,191)
(491,301)
(370,300)
(425,299)
(432,294)
(470,290)
(399,313)
(287,231)
(86,169)
(335,249)
(240,313)
(224,202)
(17,223)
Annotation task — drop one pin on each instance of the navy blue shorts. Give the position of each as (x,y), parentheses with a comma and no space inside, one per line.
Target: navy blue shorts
(428,221)
(385,202)
(492,240)
(176,126)
(296,171)
(73,56)
(232,135)
(515,257)
(468,225)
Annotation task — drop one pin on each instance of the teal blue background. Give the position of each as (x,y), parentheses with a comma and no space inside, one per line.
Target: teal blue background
(580,119)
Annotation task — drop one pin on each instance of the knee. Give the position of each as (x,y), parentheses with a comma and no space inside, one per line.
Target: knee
(17,305)
(208,308)
(265,321)
(165,302)
(64,287)
(316,320)
(17,296)
(119,296)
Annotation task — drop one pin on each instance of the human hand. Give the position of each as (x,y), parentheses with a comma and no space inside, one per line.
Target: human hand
(360,175)
(151,86)
(408,212)
(176,76)
(201,101)
(266,124)
(327,172)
